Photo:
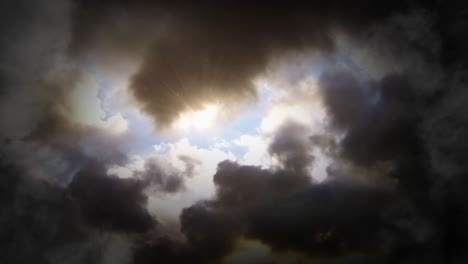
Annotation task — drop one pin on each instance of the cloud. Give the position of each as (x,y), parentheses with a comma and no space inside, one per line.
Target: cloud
(291,146)
(49,219)
(282,210)
(213,226)
(256,150)
(209,52)
(392,92)
(108,202)
(162,178)
(389,131)
(381,122)
(35,217)
(190,163)
(30,74)
(183,153)
(87,109)
(329,219)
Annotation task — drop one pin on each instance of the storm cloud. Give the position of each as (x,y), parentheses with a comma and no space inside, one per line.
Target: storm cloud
(211,52)
(396,121)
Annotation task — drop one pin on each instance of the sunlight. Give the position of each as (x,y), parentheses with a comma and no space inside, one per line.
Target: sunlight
(202,119)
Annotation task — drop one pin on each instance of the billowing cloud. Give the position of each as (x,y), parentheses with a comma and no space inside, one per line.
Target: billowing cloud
(108,202)
(381,122)
(330,219)
(292,147)
(32,73)
(384,113)
(213,226)
(210,52)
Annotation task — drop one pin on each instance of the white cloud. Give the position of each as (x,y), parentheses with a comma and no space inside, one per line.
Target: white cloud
(222,144)
(257,150)
(280,100)
(209,158)
(85,108)
(199,186)
(300,102)
(136,163)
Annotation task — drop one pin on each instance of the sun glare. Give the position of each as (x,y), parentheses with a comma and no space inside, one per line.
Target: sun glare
(202,119)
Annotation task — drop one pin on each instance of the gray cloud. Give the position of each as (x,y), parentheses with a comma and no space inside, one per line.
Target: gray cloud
(292,147)
(161,178)
(211,51)
(412,119)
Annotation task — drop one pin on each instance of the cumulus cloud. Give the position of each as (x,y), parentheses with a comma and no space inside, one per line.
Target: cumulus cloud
(391,111)
(291,146)
(387,130)
(155,174)
(210,51)
(108,202)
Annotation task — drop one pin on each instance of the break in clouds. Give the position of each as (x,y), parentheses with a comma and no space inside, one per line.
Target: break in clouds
(393,134)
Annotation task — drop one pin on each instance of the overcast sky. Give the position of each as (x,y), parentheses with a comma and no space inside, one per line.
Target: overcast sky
(137,132)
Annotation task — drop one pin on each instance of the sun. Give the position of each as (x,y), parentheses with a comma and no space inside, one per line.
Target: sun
(201,120)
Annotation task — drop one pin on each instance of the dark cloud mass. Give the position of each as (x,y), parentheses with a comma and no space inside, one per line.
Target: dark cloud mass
(395,132)
(109,202)
(212,227)
(335,219)
(292,147)
(164,178)
(211,51)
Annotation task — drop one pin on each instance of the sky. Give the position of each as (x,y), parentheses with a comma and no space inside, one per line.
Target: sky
(225,132)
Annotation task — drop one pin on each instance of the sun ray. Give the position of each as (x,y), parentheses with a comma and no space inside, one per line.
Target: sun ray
(201,120)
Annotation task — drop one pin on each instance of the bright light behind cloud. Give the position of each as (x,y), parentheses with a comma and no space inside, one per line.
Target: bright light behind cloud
(86,108)
(209,158)
(300,102)
(256,150)
(199,186)
(201,120)
(238,140)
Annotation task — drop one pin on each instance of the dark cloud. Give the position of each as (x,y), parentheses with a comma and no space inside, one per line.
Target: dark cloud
(211,51)
(154,174)
(403,118)
(213,227)
(79,143)
(381,121)
(332,220)
(9,181)
(408,120)
(243,185)
(292,147)
(221,229)
(46,219)
(35,217)
(43,222)
(395,121)
(445,127)
(190,164)
(164,250)
(108,202)
(40,152)
(344,98)
(33,77)
(329,219)
(284,211)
